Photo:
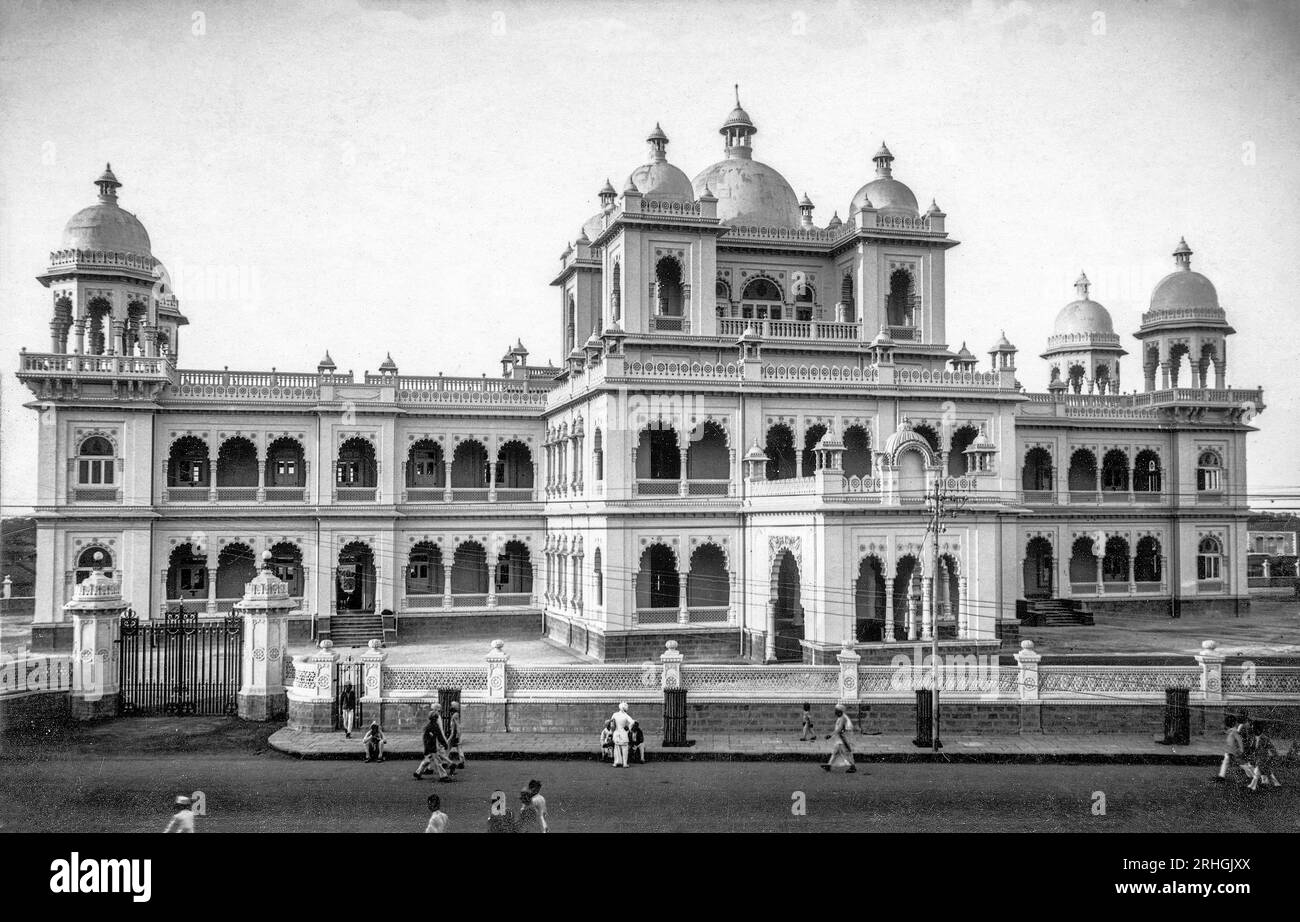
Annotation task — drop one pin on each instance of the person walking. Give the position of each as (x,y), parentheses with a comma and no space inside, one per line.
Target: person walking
(1265,759)
(374,742)
(842,752)
(437,819)
(455,754)
(348,707)
(807,732)
(529,819)
(183,819)
(1234,749)
(539,803)
(434,745)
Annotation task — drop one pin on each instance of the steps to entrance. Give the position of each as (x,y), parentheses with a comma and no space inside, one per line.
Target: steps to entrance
(356,629)
(1056,613)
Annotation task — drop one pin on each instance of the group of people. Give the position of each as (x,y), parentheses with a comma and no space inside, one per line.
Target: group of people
(622,738)
(442,752)
(1249,745)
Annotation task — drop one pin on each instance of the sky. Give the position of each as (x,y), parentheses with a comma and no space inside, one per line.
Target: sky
(374,176)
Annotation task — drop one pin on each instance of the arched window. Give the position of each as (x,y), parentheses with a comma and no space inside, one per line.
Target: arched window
(514,466)
(469,466)
(869,601)
(931,437)
(1146,562)
(657,582)
(1083,563)
(598,455)
(356,464)
(1146,472)
(286,563)
(846,298)
(804,296)
(657,455)
(95,462)
(237,463)
(1039,568)
(807,458)
(285,465)
(187,465)
(469,570)
(424,465)
(722,295)
(1075,376)
(570,321)
(707,457)
(236,566)
(780,452)
(961,440)
(1114,472)
(1209,472)
(616,291)
(1083,471)
(857,452)
(1114,564)
(1036,475)
(708,584)
(668,287)
(98,314)
(900,306)
(762,300)
(1209,559)
(136,315)
(514,574)
(91,559)
(187,573)
(424,571)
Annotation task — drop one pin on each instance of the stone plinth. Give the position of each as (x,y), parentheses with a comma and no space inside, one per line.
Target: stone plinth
(96,610)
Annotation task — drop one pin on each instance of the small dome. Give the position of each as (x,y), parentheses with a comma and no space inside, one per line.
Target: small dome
(105,226)
(905,435)
(593,226)
(1083,317)
(659,179)
(885,193)
(1184,288)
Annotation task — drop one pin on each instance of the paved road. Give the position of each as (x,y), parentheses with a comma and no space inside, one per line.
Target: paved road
(270,792)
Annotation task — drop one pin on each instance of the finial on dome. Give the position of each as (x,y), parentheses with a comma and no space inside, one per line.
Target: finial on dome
(1183,254)
(737,88)
(658,143)
(707,195)
(388,365)
(883,160)
(1081,285)
(108,184)
(934,208)
(835,220)
(737,130)
(326,364)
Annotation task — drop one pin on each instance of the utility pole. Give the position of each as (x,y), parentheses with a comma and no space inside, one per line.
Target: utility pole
(942,505)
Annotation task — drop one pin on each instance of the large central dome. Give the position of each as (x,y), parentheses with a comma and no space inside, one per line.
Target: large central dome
(749,193)
(105,226)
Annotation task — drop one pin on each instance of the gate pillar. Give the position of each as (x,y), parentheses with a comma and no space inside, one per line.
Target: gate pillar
(313,696)
(265,608)
(96,608)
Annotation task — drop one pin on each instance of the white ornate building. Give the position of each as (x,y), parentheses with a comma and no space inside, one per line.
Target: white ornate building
(734,455)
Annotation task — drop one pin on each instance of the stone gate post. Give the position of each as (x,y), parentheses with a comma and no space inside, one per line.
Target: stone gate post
(311,699)
(671,660)
(96,609)
(1211,662)
(265,609)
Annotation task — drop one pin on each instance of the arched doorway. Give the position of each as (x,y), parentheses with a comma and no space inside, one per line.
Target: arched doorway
(1039,569)
(187,573)
(236,566)
(355,578)
(869,601)
(788,623)
(658,585)
(514,571)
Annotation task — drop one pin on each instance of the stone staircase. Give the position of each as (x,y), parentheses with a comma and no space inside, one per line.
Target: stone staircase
(356,628)
(1057,613)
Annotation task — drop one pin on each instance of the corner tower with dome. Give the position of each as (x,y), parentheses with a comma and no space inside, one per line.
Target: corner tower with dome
(732,456)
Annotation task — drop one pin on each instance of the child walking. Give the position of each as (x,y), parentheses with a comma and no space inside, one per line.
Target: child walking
(808,733)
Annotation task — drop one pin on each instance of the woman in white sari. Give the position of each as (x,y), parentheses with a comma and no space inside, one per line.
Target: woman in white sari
(842,752)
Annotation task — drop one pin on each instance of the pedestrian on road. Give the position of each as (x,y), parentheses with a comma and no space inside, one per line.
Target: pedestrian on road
(183,818)
(807,732)
(622,719)
(529,819)
(435,743)
(374,742)
(622,737)
(1265,759)
(437,819)
(455,754)
(1234,748)
(501,818)
(636,742)
(842,752)
(539,803)
(607,740)
(348,705)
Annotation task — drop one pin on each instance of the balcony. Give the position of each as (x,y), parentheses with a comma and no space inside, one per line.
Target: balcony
(356,494)
(662,487)
(661,324)
(469,495)
(246,495)
(790,329)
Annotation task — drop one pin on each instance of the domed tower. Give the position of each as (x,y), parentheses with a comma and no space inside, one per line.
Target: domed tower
(1084,349)
(749,193)
(885,194)
(1184,321)
(109,290)
(659,179)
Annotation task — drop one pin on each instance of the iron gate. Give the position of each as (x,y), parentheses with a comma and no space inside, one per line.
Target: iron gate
(181,666)
(350,672)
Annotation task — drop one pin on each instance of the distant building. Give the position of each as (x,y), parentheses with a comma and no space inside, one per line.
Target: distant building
(744,472)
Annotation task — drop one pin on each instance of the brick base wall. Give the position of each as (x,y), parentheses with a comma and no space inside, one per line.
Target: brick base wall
(316,716)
